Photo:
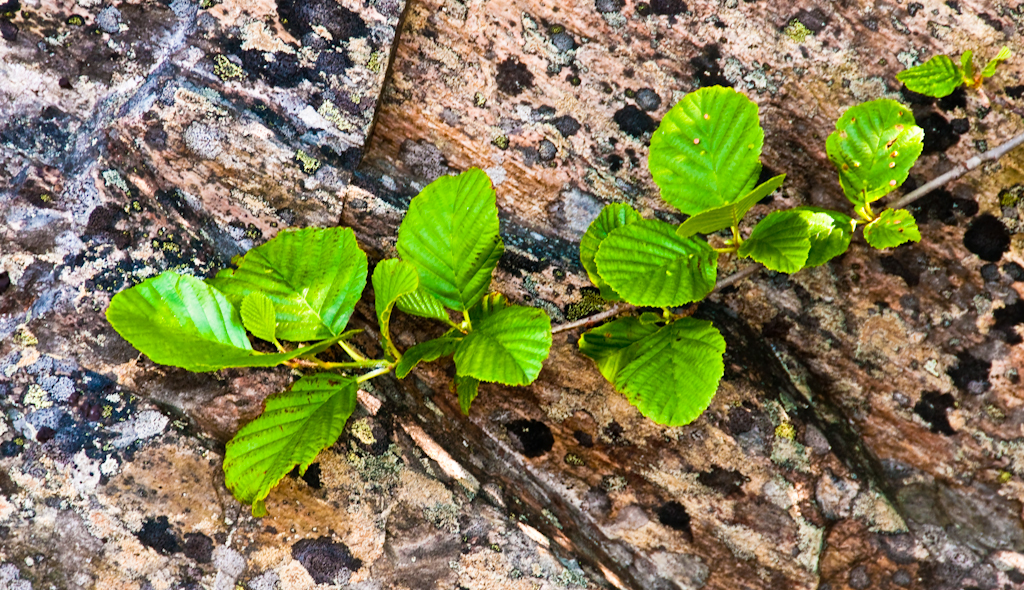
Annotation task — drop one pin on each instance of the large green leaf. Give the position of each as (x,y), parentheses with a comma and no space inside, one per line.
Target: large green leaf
(706,152)
(937,77)
(258,316)
(467,388)
(423,304)
(295,426)
(313,276)
(779,241)
(729,215)
(507,346)
(873,148)
(424,352)
(179,320)
(829,233)
(451,235)
(673,374)
(646,263)
(990,68)
(392,279)
(607,344)
(612,217)
(892,228)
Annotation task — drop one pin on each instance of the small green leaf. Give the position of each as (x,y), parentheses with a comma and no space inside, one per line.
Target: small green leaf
(892,228)
(990,68)
(179,320)
(607,344)
(648,264)
(423,304)
(467,388)
(873,148)
(491,303)
(937,77)
(967,69)
(295,426)
(611,218)
(428,351)
(779,241)
(672,374)
(649,317)
(829,233)
(450,234)
(258,316)
(730,215)
(392,279)
(507,346)
(313,276)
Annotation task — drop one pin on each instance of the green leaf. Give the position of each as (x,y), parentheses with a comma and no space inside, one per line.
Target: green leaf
(491,303)
(424,352)
(937,77)
(451,235)
(258,316)
(467,388)
(607,344)
(423,304)
(892,228)
(611,218)
(990,68)
(648,264)
(649,317)
(673,374)
(706,152)
(507,346)
(295,426)
(313,276)
(179,320)
(966,68)
(729,215)
(829,233)
(873,148)
(779,241)
(392,279)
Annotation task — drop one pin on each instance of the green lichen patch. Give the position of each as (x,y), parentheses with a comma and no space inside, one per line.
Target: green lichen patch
(797,31)
(225,69)
(309,164)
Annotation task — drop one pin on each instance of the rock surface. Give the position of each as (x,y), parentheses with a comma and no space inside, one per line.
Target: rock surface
(868,433)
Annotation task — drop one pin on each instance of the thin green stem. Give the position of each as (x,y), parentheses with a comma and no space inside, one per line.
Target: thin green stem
(737,239)
(350,351)
(277,344)
(376,373)
(467,324)
(367,364)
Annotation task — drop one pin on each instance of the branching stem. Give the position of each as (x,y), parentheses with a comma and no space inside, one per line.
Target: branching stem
(351,351)
(375,373)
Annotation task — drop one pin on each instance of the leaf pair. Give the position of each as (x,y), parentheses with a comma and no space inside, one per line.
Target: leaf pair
(940,76)
(669,373)
(644,261)
(300,286)
(787,241)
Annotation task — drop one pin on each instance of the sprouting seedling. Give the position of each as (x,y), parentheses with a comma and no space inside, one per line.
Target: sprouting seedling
(705,157)
(303,285)
(940,75)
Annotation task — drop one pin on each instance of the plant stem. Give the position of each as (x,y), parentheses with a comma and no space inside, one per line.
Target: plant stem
(590,320)
(350,351)
(375,373)
(993,154)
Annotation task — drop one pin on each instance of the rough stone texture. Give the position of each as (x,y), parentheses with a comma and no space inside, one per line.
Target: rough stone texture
(869,429)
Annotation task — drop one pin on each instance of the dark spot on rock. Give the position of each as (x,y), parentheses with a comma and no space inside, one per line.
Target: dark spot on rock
(970,374)
(954,100)
(333,62)
(992,22)
(563,41)
(615,162)
(155,137)
(960,126)
(914,7)
(324,558)
(987,238)
(157,534)
(45,434)
(546,151)
(1007,318)
(583,438)
(940,205)
(532,438)
(347,159)
(916,98)
(608,5)
(990,273)
(643,9)
(5,281)
(513,77)
(815,19)
(740,420)
(859,579)
(932,409)
(1014,91)
(954,5)
(728,482)
(198,547)
(9,448)
(311,476)
(1012,270)
(566,125)
(1016,576)
(597,502)
(871,24)
(673,515)
(8,30)
(300,16)
(668,6)
(893,266)
(648,99)
(902,578)
(634,122)
(938,133)
(764,176)
(284,71)
(706,68)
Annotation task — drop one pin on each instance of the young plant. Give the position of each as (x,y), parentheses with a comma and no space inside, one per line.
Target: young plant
(705,157)
(940,75)
(303,285)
